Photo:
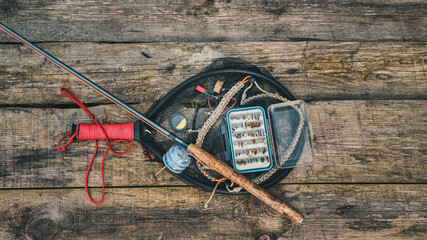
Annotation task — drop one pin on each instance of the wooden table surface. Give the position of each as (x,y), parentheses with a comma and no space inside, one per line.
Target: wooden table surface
(360,65)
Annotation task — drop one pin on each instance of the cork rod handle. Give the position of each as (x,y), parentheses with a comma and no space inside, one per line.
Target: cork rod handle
(244,182)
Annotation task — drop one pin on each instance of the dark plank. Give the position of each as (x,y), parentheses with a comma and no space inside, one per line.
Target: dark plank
(331,211)
(209,20)
(357,141)
(311,70)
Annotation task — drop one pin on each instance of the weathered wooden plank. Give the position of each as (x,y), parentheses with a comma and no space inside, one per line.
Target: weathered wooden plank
(311,70)
(390,211)
(209,20)
(28,145)
(356,141)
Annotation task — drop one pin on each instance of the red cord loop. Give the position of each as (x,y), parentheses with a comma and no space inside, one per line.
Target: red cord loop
(121,140)
(71,96)
(61,149)
(209,103)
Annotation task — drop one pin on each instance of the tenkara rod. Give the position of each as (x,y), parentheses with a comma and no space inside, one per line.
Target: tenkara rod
(92,85)
(217,165)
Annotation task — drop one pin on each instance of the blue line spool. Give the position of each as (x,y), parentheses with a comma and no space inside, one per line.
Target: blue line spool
(176,159)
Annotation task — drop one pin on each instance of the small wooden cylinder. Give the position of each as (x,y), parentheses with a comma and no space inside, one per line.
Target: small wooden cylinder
(244,182)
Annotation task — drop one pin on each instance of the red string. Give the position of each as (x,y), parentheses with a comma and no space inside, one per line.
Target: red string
(84,131)
(209,103)
(61,149)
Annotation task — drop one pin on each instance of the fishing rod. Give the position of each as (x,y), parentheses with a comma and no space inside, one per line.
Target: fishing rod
(201,155)
(92,85)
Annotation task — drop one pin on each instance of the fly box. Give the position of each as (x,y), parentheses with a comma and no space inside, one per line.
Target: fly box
(249,140)
(254,143)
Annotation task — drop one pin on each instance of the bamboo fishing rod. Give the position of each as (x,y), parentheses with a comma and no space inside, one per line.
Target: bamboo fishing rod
(201,155)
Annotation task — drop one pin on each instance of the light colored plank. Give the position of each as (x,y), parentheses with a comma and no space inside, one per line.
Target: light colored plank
(311,70)
(367,141)
(390,211)
(357,141)
(208,20)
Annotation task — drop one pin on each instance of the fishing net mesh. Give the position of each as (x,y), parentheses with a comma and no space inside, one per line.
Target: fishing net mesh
(194,105)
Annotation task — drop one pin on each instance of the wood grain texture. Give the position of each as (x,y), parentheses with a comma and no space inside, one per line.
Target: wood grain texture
(310,70)
(360,65)
(332,211)
(210,20)
(356,141)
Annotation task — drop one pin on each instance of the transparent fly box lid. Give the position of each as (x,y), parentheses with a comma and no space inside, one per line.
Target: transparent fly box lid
(291,134)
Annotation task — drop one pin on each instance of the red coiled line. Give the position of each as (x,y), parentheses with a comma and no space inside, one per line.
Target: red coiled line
(124,132)
(114,131)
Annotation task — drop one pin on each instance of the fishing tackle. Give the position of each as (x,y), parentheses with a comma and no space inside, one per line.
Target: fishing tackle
(127,131)
(218,86)
(178,122)
(219,166)
(206,92)
(176,159)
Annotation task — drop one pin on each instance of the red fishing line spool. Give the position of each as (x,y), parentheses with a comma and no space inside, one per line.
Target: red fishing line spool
(123,132)
(114,131)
